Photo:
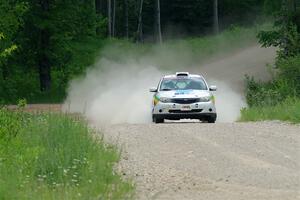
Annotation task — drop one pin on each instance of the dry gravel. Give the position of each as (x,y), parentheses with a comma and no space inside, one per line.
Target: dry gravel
(210,161)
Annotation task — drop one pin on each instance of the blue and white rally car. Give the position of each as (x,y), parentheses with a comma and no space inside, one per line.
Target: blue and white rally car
(183,96)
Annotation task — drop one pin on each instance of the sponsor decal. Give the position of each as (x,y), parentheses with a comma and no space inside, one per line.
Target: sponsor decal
(183,92)
(212,98)
(155,100)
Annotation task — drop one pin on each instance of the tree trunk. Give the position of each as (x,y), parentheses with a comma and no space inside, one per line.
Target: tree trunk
(4,70)
(216,17)
(114,19)
(98,12)
(158,25)
(109,18)
(43,59)
(98,6)
(126,26)
(140,22)
(294,5)
(291,5)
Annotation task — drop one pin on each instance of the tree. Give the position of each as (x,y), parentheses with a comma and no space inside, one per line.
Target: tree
(109,18)
(272,6)
(140,22)
(11,21)
(126,22)
(114,19)
(5,52)
(44,43)
(98,6)
(158,24)
(286,32)
(216,17)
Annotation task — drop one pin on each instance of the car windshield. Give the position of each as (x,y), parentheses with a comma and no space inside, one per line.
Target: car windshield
(183,84)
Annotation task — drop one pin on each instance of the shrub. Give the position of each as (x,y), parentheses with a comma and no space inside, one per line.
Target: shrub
(285,84)
(288,110)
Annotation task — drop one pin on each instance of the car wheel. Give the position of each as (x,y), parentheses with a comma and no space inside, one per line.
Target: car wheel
(211,120)
(157,120)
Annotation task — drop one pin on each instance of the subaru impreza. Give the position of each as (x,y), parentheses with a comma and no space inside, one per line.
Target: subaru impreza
(183,96)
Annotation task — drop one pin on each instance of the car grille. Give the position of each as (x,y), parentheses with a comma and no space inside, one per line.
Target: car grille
(186,111)
(185,100)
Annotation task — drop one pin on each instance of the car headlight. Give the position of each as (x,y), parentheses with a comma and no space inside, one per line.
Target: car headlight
(165,100)
(205,99)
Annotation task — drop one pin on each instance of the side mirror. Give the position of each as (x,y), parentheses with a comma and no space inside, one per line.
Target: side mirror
(153,89)
(213,88)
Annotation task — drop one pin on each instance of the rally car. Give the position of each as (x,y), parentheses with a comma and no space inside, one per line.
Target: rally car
(183,96)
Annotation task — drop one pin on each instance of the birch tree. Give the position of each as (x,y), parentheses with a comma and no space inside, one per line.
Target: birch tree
(114,19)
(158,24)
(216,17)
(126,24)
(140,22)
(109,18)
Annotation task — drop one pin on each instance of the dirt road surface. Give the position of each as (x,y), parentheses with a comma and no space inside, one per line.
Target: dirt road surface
(231,161)
(223,161)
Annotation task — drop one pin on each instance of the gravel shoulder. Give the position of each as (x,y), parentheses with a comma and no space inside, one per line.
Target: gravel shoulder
(210,161)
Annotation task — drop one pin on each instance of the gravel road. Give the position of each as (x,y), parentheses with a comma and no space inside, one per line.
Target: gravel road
(222,161)
(210,161)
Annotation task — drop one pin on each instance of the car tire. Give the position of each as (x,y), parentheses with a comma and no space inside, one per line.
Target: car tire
(212,119)
(157,120)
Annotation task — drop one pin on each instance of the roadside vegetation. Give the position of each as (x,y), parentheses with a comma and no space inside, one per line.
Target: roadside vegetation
(278,99)
(45,44)
(54,156)
(85,53)
(287,110)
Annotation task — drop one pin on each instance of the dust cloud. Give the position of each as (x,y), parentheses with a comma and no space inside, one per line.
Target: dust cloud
(118,93)
(116,88)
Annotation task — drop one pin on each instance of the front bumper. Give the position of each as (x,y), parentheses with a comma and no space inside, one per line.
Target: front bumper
(200,116)
(172,111)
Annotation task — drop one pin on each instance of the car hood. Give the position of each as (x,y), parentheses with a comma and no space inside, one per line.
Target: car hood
(184,94)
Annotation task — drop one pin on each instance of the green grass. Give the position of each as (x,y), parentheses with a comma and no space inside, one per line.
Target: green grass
(289,110)
(52,156)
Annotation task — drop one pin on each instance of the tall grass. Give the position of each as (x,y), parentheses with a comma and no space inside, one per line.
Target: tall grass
(51,156)
(288,110)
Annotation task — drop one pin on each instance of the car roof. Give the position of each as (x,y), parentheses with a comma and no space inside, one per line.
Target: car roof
(171,76)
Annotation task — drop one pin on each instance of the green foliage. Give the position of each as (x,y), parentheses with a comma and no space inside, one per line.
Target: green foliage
(279,98)
(52,156)
(285,33)
(60,39)
(22,103)
(289,71)
(12,13)
(11,124)
(10,22)
(85,52)
(272,6)
(25,84)
(286,84)
(288,110)
(266,94)
(287,39)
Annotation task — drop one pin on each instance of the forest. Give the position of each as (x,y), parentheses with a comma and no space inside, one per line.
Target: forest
(43,42)
(52,51)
